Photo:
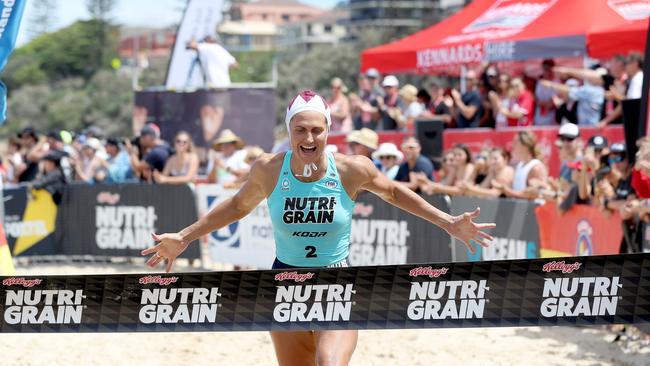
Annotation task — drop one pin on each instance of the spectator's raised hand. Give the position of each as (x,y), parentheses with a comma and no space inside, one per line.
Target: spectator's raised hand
(456,95)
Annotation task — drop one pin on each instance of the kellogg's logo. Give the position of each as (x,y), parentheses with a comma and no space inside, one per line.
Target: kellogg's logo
(561,266)
(163,281)
(108,197)
(20,281)
(295,276)
(428,271)
(362,210)
(509,14)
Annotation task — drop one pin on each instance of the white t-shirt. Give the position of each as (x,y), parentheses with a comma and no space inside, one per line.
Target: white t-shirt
(236,161)
(413,110)
(216,62)
(635,89)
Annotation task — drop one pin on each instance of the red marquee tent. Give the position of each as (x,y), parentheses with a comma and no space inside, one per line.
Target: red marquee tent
(515,30)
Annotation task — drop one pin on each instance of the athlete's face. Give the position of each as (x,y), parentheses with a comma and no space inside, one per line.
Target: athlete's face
(308,135)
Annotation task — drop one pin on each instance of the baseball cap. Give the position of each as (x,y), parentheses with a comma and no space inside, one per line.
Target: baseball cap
(618,148)
(372,73)
(598,142)
(569,130)
(390,80)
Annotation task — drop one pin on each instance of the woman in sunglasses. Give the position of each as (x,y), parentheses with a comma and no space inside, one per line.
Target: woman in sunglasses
(181,167)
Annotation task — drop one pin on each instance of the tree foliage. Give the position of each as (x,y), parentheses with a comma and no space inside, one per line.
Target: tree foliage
(63,80)
(69,52)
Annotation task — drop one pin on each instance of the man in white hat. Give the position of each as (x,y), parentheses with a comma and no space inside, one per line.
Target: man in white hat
(229,162)
(389,158)
(391,105)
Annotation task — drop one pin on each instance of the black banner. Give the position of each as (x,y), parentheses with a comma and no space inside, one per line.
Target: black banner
(538,292)
(30,222)
(516,235)
(117,220)
(384,234)
(249,113)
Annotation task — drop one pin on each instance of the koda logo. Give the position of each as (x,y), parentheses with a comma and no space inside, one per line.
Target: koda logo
(583,246)
(228,235)
(309,234)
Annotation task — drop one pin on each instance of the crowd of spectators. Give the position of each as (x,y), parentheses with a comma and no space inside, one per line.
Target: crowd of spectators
(596,172)
(52,160)
(493,98)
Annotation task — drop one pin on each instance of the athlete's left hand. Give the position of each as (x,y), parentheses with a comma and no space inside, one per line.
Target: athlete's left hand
(469,232)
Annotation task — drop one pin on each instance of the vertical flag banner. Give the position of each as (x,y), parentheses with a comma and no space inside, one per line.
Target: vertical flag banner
(11,11)
(200,19)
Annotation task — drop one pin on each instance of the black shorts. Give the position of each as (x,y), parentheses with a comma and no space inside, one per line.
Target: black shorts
(277,264)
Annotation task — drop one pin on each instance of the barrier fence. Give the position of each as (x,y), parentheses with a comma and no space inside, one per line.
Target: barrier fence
(116,220)
(535,292)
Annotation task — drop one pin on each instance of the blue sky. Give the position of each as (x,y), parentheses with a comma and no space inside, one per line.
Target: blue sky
(128,12)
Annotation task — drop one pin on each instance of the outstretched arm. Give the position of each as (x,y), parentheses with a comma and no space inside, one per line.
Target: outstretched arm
(461,227)
(171,245)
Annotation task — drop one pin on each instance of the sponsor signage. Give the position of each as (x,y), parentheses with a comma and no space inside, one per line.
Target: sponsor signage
(515,237)
(384,234)
(117,220)
(532,292)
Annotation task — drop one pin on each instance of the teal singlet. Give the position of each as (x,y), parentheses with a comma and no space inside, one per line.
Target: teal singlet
(311,220)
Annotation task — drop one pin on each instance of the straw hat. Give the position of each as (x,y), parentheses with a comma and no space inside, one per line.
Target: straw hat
(227,136)
(388,149)
(365,137)
(408,92)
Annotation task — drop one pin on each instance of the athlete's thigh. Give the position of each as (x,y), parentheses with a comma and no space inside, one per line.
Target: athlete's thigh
(294,348)
(335,347)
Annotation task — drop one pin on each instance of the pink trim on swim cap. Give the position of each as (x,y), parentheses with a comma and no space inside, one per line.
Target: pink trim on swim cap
(308,100)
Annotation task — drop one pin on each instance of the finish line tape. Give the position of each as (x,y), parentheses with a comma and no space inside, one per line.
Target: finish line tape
(538,292)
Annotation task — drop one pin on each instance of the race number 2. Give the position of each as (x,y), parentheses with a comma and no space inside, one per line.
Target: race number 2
(311,251)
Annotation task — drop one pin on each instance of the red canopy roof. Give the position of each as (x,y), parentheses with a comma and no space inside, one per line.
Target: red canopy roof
(511,30)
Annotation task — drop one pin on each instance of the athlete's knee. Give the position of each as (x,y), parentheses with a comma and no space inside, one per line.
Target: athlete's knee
(326,356)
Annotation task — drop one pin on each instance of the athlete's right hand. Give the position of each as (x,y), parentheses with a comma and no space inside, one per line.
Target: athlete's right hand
(170,246)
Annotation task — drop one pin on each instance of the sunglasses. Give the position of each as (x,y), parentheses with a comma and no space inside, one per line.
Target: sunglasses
(385,157)
(613,159)
(566,139)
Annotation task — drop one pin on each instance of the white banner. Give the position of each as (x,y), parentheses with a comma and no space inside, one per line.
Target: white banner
(199,20)
(248,242)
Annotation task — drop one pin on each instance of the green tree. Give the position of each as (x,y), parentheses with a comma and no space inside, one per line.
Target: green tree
(68,52)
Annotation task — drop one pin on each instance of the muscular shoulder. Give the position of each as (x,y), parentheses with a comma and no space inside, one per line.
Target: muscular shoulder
(266,169)
(355,167)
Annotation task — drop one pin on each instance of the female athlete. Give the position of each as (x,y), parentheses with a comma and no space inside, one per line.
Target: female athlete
(311,196)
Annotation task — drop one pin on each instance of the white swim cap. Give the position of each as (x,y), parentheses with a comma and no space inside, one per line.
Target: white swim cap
(308,100)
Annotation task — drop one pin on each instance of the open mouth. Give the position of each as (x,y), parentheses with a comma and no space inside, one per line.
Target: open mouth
(308,150)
